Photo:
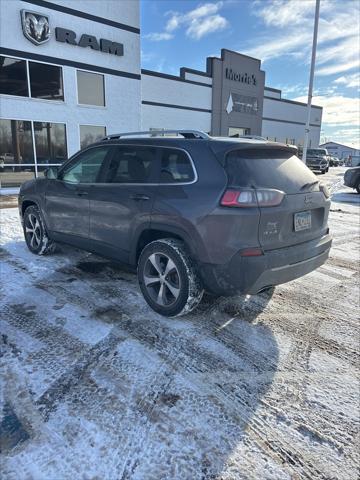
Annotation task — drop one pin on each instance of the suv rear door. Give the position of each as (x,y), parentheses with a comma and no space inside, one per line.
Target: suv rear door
(302,214)
(122,202)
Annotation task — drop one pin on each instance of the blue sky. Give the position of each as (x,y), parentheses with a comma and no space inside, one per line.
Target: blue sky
(177,33)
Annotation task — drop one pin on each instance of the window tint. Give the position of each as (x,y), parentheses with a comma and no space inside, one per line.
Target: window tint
(87,167)
(91,90)
(267,168)
(90,134)
(132,165)
(175,167)
(46,81)
(13,77)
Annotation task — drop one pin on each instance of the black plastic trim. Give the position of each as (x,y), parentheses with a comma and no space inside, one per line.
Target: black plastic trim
(62,61)
(290,121)
(169,105)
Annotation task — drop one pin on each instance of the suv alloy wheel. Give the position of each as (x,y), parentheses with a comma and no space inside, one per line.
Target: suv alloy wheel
(168,278)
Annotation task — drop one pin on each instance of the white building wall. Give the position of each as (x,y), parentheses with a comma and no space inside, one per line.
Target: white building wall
(171,118)
(288,110)
(164,90)
(198,78)
(340,151)
(286,132)
(272,93)
(122,95)
(286,120)
(124,11)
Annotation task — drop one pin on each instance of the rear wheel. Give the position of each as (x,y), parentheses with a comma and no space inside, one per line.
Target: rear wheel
(168,278)
(35,233)
(358,187)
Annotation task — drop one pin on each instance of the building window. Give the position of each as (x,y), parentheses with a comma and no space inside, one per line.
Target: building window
(91,90)
(90,134)
(50,142)
(46,81)
(175,167)
(16,153)
(13,77)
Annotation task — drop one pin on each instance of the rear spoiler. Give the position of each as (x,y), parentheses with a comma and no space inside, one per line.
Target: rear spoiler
(221,151)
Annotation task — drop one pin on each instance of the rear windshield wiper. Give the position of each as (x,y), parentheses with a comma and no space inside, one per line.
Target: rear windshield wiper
(310,184)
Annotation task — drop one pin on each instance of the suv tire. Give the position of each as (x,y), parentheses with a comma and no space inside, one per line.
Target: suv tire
(168,278)
(35,234)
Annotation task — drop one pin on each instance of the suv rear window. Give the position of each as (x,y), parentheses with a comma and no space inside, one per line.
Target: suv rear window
(267,168)
(176,166)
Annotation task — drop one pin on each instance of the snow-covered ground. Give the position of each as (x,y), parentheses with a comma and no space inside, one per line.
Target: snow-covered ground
(97,386)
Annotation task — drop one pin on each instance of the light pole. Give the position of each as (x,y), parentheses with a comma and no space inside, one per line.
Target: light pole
(311,80)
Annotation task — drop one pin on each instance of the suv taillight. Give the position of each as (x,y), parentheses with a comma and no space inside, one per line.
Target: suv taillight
(324,190)
(252,198)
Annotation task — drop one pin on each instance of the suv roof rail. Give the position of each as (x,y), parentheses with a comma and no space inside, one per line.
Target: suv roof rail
(161,133)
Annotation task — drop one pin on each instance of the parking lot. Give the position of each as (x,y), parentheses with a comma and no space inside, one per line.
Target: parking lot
(98,386)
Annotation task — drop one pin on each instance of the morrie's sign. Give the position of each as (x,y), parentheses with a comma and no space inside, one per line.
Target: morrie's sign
(240,77)
(36,28)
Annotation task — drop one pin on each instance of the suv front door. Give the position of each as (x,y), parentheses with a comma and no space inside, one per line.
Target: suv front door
(67,197)
(121,203)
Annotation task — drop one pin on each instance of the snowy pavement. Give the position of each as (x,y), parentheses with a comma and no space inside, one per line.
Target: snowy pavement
(97,386)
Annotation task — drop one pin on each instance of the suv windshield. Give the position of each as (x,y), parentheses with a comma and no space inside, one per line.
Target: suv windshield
(267,168)
(316,152)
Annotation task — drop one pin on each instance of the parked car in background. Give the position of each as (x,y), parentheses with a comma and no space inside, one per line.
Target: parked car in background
(317,159)
(192,213)
(4,159)
(352,178)
(334,161)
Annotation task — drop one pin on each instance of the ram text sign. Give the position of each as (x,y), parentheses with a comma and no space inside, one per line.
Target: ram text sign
(36,28)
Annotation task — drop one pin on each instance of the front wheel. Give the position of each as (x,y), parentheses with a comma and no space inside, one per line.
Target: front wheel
(168,278)
(358,187)
(35,233)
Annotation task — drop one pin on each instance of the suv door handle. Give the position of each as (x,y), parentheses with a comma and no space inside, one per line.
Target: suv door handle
(81,193)
(138,197)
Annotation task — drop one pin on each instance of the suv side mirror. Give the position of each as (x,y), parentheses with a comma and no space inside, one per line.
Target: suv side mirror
(51,173)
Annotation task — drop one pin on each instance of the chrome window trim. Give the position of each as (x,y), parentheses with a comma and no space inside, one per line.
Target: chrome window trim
(157,184)
(91,147)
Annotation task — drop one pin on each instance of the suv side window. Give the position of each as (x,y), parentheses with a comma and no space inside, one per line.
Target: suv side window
(176,167)
(87,166)
(132,164)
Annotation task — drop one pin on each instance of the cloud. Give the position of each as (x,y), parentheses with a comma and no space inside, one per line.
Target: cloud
(200,28)
(338,68)
(198,22)
(337,109)
(350,81)
(291,23)
(158,37)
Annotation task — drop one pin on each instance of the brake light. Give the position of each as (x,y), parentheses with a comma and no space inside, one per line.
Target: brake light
(252,198)
(251,252)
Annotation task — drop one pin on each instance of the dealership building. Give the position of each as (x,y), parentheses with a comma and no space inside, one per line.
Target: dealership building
(70,73)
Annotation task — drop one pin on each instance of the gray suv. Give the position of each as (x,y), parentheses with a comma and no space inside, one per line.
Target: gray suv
(193,213)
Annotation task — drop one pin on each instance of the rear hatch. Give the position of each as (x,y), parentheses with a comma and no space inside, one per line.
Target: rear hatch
(302,213)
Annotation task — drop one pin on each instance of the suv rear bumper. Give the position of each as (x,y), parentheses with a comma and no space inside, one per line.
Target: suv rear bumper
(253,274)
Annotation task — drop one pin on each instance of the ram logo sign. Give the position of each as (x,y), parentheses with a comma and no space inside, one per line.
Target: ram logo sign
(35,27)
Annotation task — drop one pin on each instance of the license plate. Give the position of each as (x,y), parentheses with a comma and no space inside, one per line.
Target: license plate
(302,221)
